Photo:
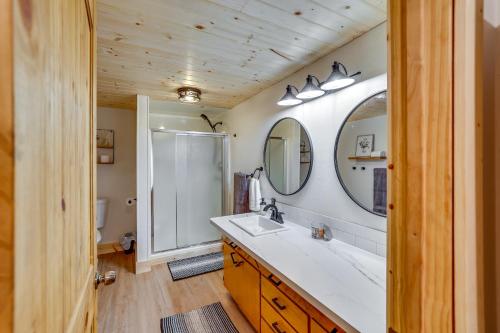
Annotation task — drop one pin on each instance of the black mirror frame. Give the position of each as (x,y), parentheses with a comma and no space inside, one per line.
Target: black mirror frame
(311,157)
(346,190)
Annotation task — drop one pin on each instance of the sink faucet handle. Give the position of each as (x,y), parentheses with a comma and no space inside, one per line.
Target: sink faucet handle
(279,216)
(273,201)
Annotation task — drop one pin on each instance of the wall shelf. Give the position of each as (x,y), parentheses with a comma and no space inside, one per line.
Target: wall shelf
(367,158)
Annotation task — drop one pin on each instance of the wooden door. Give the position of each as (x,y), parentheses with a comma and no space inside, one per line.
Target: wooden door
(47,144)
(436,164)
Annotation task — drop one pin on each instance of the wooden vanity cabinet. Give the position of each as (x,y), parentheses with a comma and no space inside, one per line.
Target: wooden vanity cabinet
(269,304)
(242,280)
(316,328)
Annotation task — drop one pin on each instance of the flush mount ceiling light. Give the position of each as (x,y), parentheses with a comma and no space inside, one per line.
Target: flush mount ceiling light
(289,98)
(189,94)
(338,79)
(311,89)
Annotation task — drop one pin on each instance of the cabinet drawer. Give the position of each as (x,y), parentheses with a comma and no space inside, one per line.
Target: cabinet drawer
(265,328)
(284,306)
(275,321)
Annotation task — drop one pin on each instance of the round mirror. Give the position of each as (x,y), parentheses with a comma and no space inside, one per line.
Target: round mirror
(288,156)
(360,154)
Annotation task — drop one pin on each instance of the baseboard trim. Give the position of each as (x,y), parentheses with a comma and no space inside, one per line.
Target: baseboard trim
(107,248)
(161,258)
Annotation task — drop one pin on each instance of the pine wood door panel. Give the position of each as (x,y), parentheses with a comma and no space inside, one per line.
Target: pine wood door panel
(54,187)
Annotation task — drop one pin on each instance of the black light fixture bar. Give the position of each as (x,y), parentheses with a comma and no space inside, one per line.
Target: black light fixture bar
(313,88)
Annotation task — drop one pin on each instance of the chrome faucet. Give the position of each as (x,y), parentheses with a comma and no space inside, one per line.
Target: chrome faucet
(276,215)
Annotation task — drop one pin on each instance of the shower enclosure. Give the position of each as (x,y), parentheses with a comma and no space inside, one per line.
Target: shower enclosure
(188,187)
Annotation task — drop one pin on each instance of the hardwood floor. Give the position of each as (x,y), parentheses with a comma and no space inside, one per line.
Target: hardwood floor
(136,303)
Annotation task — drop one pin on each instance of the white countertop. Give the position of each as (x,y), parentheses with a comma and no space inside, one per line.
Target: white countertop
(344,282)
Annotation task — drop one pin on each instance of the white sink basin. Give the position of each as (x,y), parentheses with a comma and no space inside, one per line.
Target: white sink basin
(257,225)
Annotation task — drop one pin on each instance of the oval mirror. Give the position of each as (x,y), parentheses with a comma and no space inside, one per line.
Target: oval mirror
(360,154)
(288,156)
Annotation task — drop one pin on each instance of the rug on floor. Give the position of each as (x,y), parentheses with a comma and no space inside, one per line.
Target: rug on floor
(207,319)
(184,268)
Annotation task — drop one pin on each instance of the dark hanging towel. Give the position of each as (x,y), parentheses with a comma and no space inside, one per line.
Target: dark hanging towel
(241,182)
(380,190)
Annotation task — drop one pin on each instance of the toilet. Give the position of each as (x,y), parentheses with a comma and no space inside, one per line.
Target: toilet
(102,205)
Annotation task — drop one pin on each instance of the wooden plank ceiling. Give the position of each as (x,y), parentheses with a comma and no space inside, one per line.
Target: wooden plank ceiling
(230,49)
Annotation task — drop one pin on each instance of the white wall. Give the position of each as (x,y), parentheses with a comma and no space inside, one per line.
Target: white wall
(176,122)
(116,182)
(252,119)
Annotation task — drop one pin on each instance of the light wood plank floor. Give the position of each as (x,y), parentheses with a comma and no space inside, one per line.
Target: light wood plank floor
(136,303)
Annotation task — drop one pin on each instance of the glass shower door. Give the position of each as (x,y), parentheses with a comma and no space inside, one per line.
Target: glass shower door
(199,187)
(163,194)
(188,188)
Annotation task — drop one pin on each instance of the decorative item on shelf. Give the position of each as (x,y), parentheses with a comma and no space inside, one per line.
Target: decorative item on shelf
(364,145)
(338,79)
(289,98)
(105,143)
(378,154)
(189,94)
(311,89)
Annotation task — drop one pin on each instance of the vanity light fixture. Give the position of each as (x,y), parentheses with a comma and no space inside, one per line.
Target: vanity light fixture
(289,98)
(311,89)
(338,79)
(189,94)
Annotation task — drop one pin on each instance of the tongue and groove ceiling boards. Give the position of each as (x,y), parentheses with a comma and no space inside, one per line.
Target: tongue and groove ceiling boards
(230,49)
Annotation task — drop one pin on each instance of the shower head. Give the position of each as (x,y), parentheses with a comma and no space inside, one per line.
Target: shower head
(212,126)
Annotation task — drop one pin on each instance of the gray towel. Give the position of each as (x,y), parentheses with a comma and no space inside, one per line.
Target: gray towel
(241,183)
(380,190)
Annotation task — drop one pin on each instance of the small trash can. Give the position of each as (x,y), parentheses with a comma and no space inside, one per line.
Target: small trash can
(127,242)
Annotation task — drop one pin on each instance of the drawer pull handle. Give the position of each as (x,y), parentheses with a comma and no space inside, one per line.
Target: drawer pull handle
(277,327)
(275,301)
(236,263)
(234,246)
(276,283)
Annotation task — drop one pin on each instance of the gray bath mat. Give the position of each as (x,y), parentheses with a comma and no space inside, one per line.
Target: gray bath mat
(207,319)
(184,268)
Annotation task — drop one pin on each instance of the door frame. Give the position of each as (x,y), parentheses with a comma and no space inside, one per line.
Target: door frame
(7,167)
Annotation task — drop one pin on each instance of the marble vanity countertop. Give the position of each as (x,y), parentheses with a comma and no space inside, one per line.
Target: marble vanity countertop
(344,282)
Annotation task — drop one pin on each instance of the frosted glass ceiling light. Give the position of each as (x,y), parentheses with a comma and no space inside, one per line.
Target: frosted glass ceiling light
(311,89)
(338,79)
(289,98)
(189,94)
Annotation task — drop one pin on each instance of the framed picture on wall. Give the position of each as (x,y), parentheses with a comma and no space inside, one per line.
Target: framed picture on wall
(364,144)
(105,138)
